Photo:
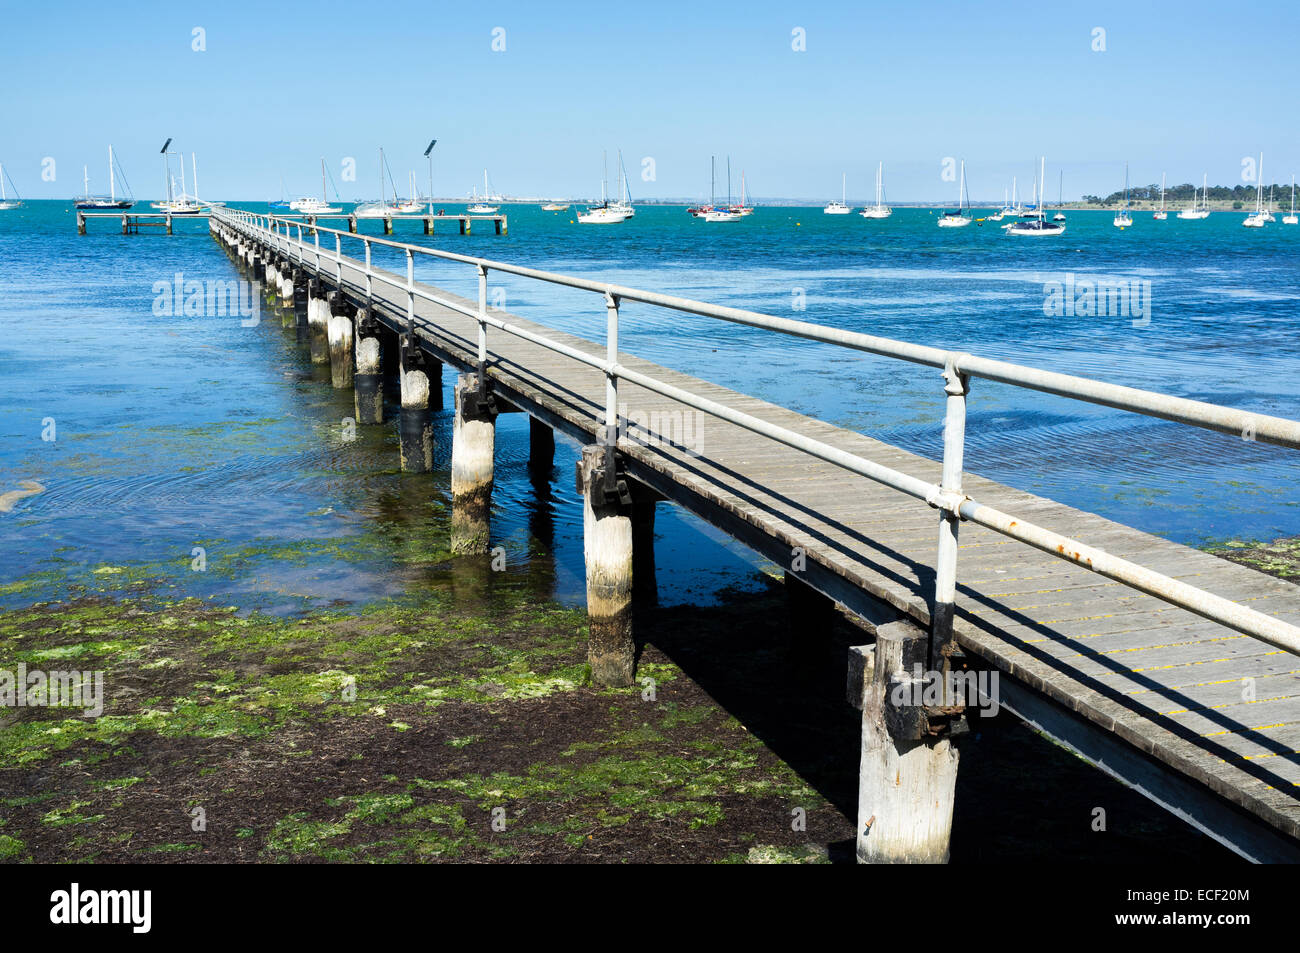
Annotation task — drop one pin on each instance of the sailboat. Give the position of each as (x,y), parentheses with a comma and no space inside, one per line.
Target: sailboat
(1199,209)
(182,203)
(1268,210)
(1122,217)
(958,218)
(742,208)
(283,205)
(1036,225)
(88,201)
(880,209)
(604,213)
(699,211)
(728,213)
(310,205)
(482,208)
(1060,198)
(555,207)
(1286,219)
(7,203)
(382,208)
(1258,218)
(624,201)
(839,208)
(413,204)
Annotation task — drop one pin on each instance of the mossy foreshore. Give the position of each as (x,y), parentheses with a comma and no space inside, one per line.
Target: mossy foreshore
(460,724)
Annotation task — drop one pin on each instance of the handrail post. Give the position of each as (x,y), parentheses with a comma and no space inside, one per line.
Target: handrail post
(370,299)
(611,389)
(482,328)
(315,232)
(338,259)
(956,386)
(410,292)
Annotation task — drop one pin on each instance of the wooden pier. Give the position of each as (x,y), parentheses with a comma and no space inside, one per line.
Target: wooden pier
(1165,666)
(132,222)
(464,223)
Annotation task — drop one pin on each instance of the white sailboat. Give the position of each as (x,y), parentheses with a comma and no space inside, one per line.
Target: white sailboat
(1122,218)
(1036,225)
(184,203)
(381,209)
(1201,209)
(623,203)
(1060,198)
(1286,219)
(743,208)
(412,205)
(1258,218)
(958,218)
(880,209)
(1160,214)
(88,201)
(310,205)
(483,208)
(839,208)
(7,203)
(604,213)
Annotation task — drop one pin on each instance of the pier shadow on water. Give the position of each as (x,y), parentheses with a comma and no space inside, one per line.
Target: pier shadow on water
(1020,797)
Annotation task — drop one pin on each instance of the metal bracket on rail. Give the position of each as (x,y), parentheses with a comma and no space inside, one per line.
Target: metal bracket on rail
(480,401)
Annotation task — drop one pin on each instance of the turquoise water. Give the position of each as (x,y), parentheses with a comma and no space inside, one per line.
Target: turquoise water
(180,432)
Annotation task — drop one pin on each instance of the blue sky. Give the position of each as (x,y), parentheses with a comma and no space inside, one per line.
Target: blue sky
(1182,88)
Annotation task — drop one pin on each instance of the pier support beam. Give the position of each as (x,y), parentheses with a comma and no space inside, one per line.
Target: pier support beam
(81,224)
(473,444)
(286,287)
(417,419)
(646,589)
(907,776)
(352,224)
(368,382)
(297,317)
(607,547)
(464,226)
(388,225)
(339,332)
(317,322)
(428,225)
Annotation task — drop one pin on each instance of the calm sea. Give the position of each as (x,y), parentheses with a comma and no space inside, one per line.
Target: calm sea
(172,433)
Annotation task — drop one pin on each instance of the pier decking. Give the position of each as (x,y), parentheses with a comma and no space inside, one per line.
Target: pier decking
(1201,716)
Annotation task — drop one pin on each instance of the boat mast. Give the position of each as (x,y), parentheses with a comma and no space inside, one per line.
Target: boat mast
(844,186)
(383,194)
(185,189)
(194,162)
(713,177)
(85,181)
(112,184)
(323,199)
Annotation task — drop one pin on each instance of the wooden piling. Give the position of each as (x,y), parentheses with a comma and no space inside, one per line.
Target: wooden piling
(339,335)
(428,225)
(81,224)
(297,316)
(473,445)
(317,322)
(388,225)
(368,381)
(905,786)
(607,548)
(417,419)
(352,224)
(464,226)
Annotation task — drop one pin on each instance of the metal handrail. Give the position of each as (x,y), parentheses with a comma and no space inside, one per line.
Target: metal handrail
(946,496)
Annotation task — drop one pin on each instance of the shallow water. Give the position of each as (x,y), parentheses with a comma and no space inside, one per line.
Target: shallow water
(181,432)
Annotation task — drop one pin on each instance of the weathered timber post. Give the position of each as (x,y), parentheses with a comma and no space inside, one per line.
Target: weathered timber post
(317,321)
(297,317)
(501,226)
(464,226)
(908,772)
(473,444)
(428,225)
(352,224)
(339,334)
(272,274)
(81,223)
(368,382)
(417,420)
(169,223)
(607,547)
(124,225)
(388,225)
